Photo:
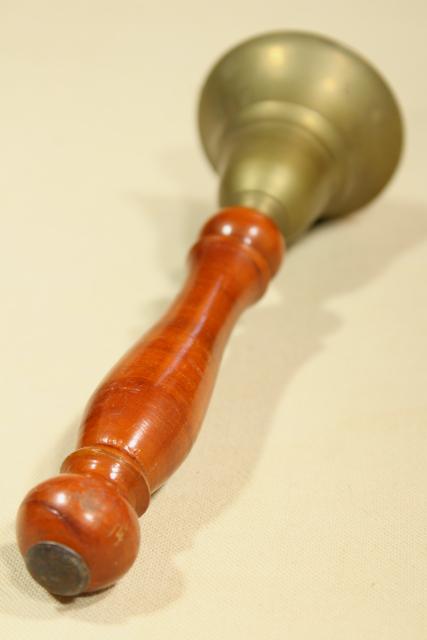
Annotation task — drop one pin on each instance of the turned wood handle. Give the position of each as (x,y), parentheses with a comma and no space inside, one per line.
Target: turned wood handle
(79,531)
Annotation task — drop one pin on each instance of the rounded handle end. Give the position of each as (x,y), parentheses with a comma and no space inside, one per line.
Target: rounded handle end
(77,534)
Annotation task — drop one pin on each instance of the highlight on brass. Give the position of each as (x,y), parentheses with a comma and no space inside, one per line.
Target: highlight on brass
(298,127)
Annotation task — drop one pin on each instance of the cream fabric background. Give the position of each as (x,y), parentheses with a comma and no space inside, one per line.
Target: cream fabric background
(301,512)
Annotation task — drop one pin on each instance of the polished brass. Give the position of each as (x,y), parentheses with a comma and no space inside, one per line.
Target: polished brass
(299,127)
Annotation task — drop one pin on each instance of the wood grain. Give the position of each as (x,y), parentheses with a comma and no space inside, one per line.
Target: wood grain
(143,419)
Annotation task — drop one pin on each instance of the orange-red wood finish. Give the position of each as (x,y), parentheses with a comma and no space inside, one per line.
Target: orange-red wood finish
(143,419)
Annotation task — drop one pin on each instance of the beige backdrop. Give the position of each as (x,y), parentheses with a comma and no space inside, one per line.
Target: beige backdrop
(301,512)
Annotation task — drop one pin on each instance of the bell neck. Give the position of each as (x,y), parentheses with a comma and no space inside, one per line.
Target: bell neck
(280,169)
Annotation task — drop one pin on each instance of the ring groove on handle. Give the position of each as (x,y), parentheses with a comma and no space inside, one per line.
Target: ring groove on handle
(152,403)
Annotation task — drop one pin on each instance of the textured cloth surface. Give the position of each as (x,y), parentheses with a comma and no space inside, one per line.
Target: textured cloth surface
(301,511)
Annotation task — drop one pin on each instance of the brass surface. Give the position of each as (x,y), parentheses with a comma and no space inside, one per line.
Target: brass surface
(299,127)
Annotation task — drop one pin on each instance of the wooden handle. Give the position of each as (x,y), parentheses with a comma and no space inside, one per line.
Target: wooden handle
(79,531)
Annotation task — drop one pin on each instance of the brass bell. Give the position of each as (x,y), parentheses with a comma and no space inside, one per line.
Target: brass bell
(299,127)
